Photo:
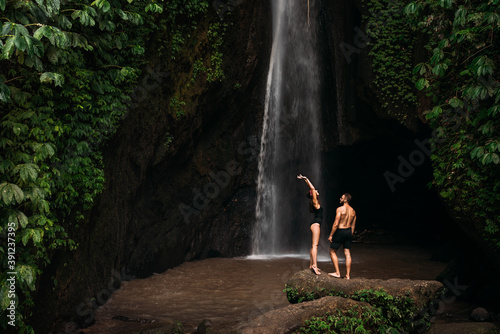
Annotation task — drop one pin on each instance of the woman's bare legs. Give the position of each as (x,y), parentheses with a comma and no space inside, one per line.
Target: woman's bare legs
(313,255)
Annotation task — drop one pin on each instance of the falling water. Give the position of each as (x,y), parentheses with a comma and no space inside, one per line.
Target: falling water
(290,142)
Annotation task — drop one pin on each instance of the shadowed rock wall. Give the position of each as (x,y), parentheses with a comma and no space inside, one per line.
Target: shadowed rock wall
(178,187)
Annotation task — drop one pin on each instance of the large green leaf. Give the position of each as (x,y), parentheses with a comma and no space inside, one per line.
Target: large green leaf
(11,193)
(7,26)
(28,172)
(37,236)
(4,92)
(19,218)
(26,274)
(40,32)
(8,48)
(51,77)
(20,43)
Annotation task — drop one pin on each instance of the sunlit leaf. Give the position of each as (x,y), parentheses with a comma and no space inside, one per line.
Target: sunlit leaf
(20,43)
(26,274)
(421,83)
(456,102)
(40,32)
(11,192)
(4,92)
(28,172)
(8,48)
(37,236)
(51,77)
(495,158)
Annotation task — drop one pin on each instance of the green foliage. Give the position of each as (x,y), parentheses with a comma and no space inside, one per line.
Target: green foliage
(295,295)
(399,311)
(177,106)
(395,313)
(66,71)
(363,320)
(462,80)
(391,49)
(185,31)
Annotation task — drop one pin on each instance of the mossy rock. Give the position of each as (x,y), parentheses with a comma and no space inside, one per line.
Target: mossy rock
(304,285)
(289,318)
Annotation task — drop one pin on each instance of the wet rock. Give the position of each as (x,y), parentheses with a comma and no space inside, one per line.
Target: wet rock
(141,320)
(464,328)
(291,317)
(421,291)
(480,314)
(204,327)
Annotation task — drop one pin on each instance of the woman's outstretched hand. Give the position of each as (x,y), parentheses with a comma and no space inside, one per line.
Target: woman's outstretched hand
(301,177)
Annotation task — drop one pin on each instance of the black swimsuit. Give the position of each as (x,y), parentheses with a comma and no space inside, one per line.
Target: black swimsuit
(318,216)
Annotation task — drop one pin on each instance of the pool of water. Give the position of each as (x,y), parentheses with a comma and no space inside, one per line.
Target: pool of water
(229,291)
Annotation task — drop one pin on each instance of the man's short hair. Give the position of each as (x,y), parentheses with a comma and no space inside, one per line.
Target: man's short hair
(347,197)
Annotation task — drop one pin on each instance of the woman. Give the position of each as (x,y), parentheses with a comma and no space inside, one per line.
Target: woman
(314,207)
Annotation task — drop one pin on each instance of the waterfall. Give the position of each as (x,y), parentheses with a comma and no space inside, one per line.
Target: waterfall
(290,142)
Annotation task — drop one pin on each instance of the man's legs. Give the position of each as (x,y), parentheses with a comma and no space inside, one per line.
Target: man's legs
(347,253)
(335,260)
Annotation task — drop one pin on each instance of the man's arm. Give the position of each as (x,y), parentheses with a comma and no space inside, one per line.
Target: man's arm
(335,225)
(353,224)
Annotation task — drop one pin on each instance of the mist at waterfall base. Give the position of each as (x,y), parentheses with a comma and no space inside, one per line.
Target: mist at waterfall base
(290,143)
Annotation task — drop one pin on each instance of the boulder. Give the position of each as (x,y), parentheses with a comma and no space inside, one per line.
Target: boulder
(480,314)
(291,317)
(421,291)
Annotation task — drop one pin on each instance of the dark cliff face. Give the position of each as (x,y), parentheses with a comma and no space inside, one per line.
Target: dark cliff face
(178,188)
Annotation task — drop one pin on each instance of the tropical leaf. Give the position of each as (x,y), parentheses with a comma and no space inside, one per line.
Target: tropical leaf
(26,274)
(20,43)
(8,48)
(28,172)
(41,32)
(422,83)
(4,92)
(11,193)
(51,77)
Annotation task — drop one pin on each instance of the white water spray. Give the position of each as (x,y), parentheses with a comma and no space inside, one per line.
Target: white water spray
(290,142)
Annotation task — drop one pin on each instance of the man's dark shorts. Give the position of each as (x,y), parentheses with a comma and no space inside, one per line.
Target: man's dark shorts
(343,236)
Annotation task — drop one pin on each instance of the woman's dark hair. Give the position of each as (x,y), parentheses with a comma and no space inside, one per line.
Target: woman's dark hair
(309,195)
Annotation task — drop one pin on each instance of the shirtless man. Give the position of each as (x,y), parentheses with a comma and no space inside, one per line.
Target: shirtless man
(342,231)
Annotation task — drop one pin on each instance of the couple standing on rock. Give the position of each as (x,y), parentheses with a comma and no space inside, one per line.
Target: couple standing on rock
(341,234)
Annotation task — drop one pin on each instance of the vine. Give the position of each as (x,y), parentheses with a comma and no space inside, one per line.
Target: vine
(391,50)
(461,77)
